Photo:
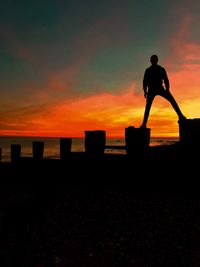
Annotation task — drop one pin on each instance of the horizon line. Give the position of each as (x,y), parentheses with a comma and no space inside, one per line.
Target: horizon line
(115,137)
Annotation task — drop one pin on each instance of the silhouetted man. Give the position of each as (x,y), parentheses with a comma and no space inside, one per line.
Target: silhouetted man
(156,82)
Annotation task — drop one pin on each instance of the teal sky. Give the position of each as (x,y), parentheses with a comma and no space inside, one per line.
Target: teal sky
(107,43)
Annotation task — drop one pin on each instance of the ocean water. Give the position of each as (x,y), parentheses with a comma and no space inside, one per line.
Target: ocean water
(52,145)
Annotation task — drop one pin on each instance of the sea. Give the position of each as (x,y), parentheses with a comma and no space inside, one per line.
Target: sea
(52,145)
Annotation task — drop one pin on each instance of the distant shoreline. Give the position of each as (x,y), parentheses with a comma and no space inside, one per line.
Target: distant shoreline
(57,137)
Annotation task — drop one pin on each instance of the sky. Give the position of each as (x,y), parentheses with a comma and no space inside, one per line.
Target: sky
(67,66)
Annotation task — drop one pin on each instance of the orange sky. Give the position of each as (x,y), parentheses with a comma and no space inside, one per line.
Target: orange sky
(112,113)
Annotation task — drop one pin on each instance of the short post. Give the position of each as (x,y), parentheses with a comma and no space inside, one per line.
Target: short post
(189,131)
(38,149)
(65,148)
(189,136)
(137,141)
(95,142)
(15,152)
(0,153)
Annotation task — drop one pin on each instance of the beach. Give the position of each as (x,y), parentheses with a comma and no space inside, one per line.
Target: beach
(53,226)
(161,169)
(105,210)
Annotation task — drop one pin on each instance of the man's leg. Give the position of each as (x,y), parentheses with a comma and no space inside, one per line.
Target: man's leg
(149,102)
(167,95)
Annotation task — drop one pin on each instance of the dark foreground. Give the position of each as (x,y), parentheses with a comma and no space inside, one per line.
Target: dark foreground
(55,227)
(160,168)
(109,211)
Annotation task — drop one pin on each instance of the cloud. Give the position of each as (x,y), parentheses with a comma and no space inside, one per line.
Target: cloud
(105,111)
(12,43)
(110,112)
(63,101)
(22,119)
(183,65)
(72,54)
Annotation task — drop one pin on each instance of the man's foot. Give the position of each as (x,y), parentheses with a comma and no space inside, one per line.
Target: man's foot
(143,126)
(182,118)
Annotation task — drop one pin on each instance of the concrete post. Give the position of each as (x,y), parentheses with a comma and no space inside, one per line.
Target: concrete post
(15,152)
(95,142)
(137,141)
(38,149)
(65,148)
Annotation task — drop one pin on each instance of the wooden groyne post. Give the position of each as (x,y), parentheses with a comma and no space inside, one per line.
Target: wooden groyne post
(65,148)
(189,134)
(137,141)
(0,153)
(38,149)
(95,142)
(15,152)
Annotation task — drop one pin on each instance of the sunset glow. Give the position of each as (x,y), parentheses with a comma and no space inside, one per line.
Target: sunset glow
(62,75)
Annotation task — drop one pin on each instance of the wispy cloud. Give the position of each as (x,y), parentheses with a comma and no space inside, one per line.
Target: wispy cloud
(106,111)
(183,64)
(20,50)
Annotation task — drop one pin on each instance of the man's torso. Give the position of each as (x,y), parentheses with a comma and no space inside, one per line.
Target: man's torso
(154,76)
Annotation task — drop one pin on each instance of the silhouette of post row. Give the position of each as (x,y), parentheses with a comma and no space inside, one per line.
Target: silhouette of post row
(137,141)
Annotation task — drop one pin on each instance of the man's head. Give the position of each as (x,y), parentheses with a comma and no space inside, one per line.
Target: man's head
(154,59)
